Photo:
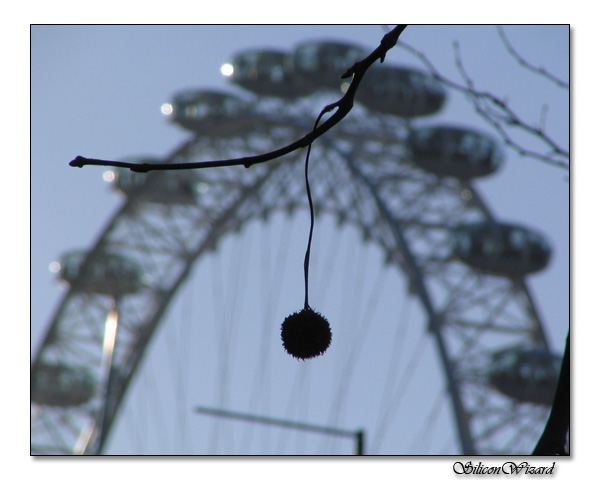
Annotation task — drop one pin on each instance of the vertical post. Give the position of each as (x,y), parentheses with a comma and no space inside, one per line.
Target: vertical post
(360,442)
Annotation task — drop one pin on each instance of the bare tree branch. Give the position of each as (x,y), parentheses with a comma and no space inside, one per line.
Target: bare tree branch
(498,114)
(554,438)
(342,106)
(524,63)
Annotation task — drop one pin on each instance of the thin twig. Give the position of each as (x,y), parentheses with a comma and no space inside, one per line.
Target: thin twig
(342,106)
(496,112)
(524,63)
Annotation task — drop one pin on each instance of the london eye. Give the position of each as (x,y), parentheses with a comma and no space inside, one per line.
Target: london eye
(179,298)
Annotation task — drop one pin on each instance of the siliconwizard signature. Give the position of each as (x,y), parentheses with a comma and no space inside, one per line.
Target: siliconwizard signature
(510,468)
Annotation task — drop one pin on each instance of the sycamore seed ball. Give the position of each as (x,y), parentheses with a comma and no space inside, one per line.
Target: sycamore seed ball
(305,334)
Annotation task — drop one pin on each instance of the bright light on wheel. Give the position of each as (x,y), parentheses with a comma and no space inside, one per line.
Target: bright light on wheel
(54,267)
(109,176)
(227,69)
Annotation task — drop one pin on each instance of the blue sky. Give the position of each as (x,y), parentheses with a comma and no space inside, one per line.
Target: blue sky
(97,91)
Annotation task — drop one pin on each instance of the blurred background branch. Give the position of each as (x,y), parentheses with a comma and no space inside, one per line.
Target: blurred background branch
(504,118)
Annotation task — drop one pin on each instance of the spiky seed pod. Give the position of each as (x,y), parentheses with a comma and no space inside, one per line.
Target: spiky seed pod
(305,334)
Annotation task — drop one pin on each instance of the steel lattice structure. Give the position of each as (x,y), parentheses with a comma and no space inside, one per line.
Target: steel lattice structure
(364,177)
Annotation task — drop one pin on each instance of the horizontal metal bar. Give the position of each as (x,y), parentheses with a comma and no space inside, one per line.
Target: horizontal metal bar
(278,422)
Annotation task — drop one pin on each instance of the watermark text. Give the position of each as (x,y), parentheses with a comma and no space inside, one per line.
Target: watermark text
(507,468)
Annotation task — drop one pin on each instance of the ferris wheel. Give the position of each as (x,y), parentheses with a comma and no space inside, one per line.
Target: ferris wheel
(406,193)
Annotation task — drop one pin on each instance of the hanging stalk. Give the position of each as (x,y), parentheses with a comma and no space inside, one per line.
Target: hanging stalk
(306,334)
